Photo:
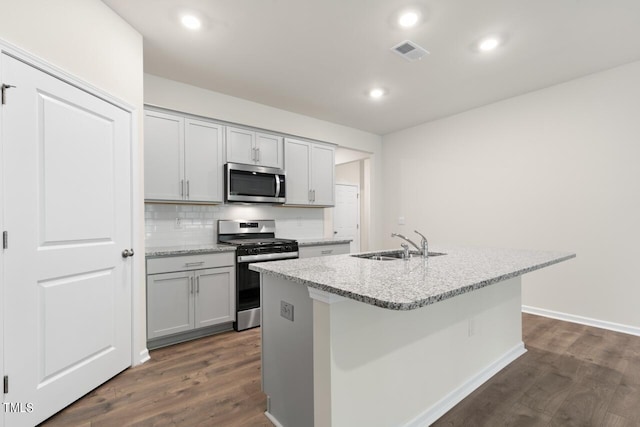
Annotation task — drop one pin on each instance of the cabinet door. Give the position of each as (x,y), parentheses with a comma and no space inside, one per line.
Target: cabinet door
(163,156)
(169,303)
(296,162)
(215,296)
(270,148)
(240,146)
(322,174)
(203,161)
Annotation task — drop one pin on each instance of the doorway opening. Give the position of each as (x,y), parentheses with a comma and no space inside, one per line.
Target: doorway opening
(353,168)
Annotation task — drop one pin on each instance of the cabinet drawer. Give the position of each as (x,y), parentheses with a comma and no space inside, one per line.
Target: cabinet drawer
(189,262)
(323,250)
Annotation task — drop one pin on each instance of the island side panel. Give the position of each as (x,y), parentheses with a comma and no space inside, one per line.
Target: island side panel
(407,368)
(287,352)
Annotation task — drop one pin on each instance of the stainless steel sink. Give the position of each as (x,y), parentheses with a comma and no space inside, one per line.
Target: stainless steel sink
(393,255)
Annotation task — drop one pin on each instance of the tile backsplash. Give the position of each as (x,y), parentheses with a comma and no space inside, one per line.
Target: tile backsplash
(170,224)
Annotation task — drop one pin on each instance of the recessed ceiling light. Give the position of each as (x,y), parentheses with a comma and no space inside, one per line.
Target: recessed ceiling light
(488,44)
(408,19)
(376,93)
(191,22)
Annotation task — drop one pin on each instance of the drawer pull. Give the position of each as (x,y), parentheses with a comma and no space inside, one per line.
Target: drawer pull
(327,252)
(193,264)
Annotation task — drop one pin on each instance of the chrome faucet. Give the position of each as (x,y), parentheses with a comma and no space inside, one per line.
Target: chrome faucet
(407,240)
(405,254)
(424,244)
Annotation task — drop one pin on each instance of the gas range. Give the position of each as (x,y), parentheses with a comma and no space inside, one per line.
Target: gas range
(255,241)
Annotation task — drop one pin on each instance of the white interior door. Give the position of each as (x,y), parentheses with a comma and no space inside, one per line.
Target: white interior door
(346,215)
(67,202)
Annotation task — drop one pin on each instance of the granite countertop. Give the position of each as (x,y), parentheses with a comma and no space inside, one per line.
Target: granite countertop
(407,285)
(188,250)
(320,241)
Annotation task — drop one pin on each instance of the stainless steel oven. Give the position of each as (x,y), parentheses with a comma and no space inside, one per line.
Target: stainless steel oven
(254,184)
(255,241)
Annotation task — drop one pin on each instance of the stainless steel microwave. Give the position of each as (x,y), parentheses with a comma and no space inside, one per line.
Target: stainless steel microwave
(254,184)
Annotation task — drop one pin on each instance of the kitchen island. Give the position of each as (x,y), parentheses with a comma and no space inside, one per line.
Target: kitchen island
(354,341)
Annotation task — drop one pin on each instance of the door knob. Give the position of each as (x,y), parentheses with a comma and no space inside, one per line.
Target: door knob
(127,253)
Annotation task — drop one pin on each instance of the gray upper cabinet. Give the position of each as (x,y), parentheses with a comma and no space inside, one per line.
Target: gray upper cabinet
(254,148)
(182,158)
(310,173)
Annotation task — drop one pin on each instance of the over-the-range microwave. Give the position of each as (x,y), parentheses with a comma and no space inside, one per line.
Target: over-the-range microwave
(253,184)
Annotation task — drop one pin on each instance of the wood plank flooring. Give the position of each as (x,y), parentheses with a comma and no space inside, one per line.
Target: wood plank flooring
(572,375)
(213,381)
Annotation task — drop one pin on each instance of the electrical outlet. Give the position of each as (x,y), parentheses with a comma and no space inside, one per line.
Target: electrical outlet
(286,310)
(178,224)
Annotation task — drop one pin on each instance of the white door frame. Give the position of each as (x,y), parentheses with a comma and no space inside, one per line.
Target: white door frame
(358,233)
(139,353)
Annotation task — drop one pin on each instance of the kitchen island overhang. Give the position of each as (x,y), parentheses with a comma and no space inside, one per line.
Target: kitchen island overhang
(389,342)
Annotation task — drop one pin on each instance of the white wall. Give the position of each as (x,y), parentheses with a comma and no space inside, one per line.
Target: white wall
(553,169)
(89,41)
(84,37)
(194,100)
(348,173)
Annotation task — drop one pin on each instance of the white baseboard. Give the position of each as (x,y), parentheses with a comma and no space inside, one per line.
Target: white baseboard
(272,419)
(144,357)
(617,327)
(430,415)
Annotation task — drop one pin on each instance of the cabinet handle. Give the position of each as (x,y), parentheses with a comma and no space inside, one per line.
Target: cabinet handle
(258,154)
(191,285)
(182,188)
(193,264)
(198,285)
(187,188)
(309,197)
(253,154)
(327,252)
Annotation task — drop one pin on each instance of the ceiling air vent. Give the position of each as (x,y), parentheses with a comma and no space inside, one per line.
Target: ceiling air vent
(409,50)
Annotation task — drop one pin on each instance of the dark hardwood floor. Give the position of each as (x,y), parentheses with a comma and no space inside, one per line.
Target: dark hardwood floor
(213,381)
(572,375)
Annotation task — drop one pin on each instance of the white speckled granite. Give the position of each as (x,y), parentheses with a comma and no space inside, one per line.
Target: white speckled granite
(322,241)
(407,285)
(188,250)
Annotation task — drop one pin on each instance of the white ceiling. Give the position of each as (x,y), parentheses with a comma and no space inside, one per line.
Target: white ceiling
(320,57)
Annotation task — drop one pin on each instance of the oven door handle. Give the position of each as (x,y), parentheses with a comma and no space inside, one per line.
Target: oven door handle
(267,257)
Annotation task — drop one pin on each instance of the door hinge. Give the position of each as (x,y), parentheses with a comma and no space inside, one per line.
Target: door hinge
(5,239)
(4,90)
(6,384)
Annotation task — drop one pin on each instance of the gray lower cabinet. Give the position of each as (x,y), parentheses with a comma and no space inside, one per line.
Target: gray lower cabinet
(191,302)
